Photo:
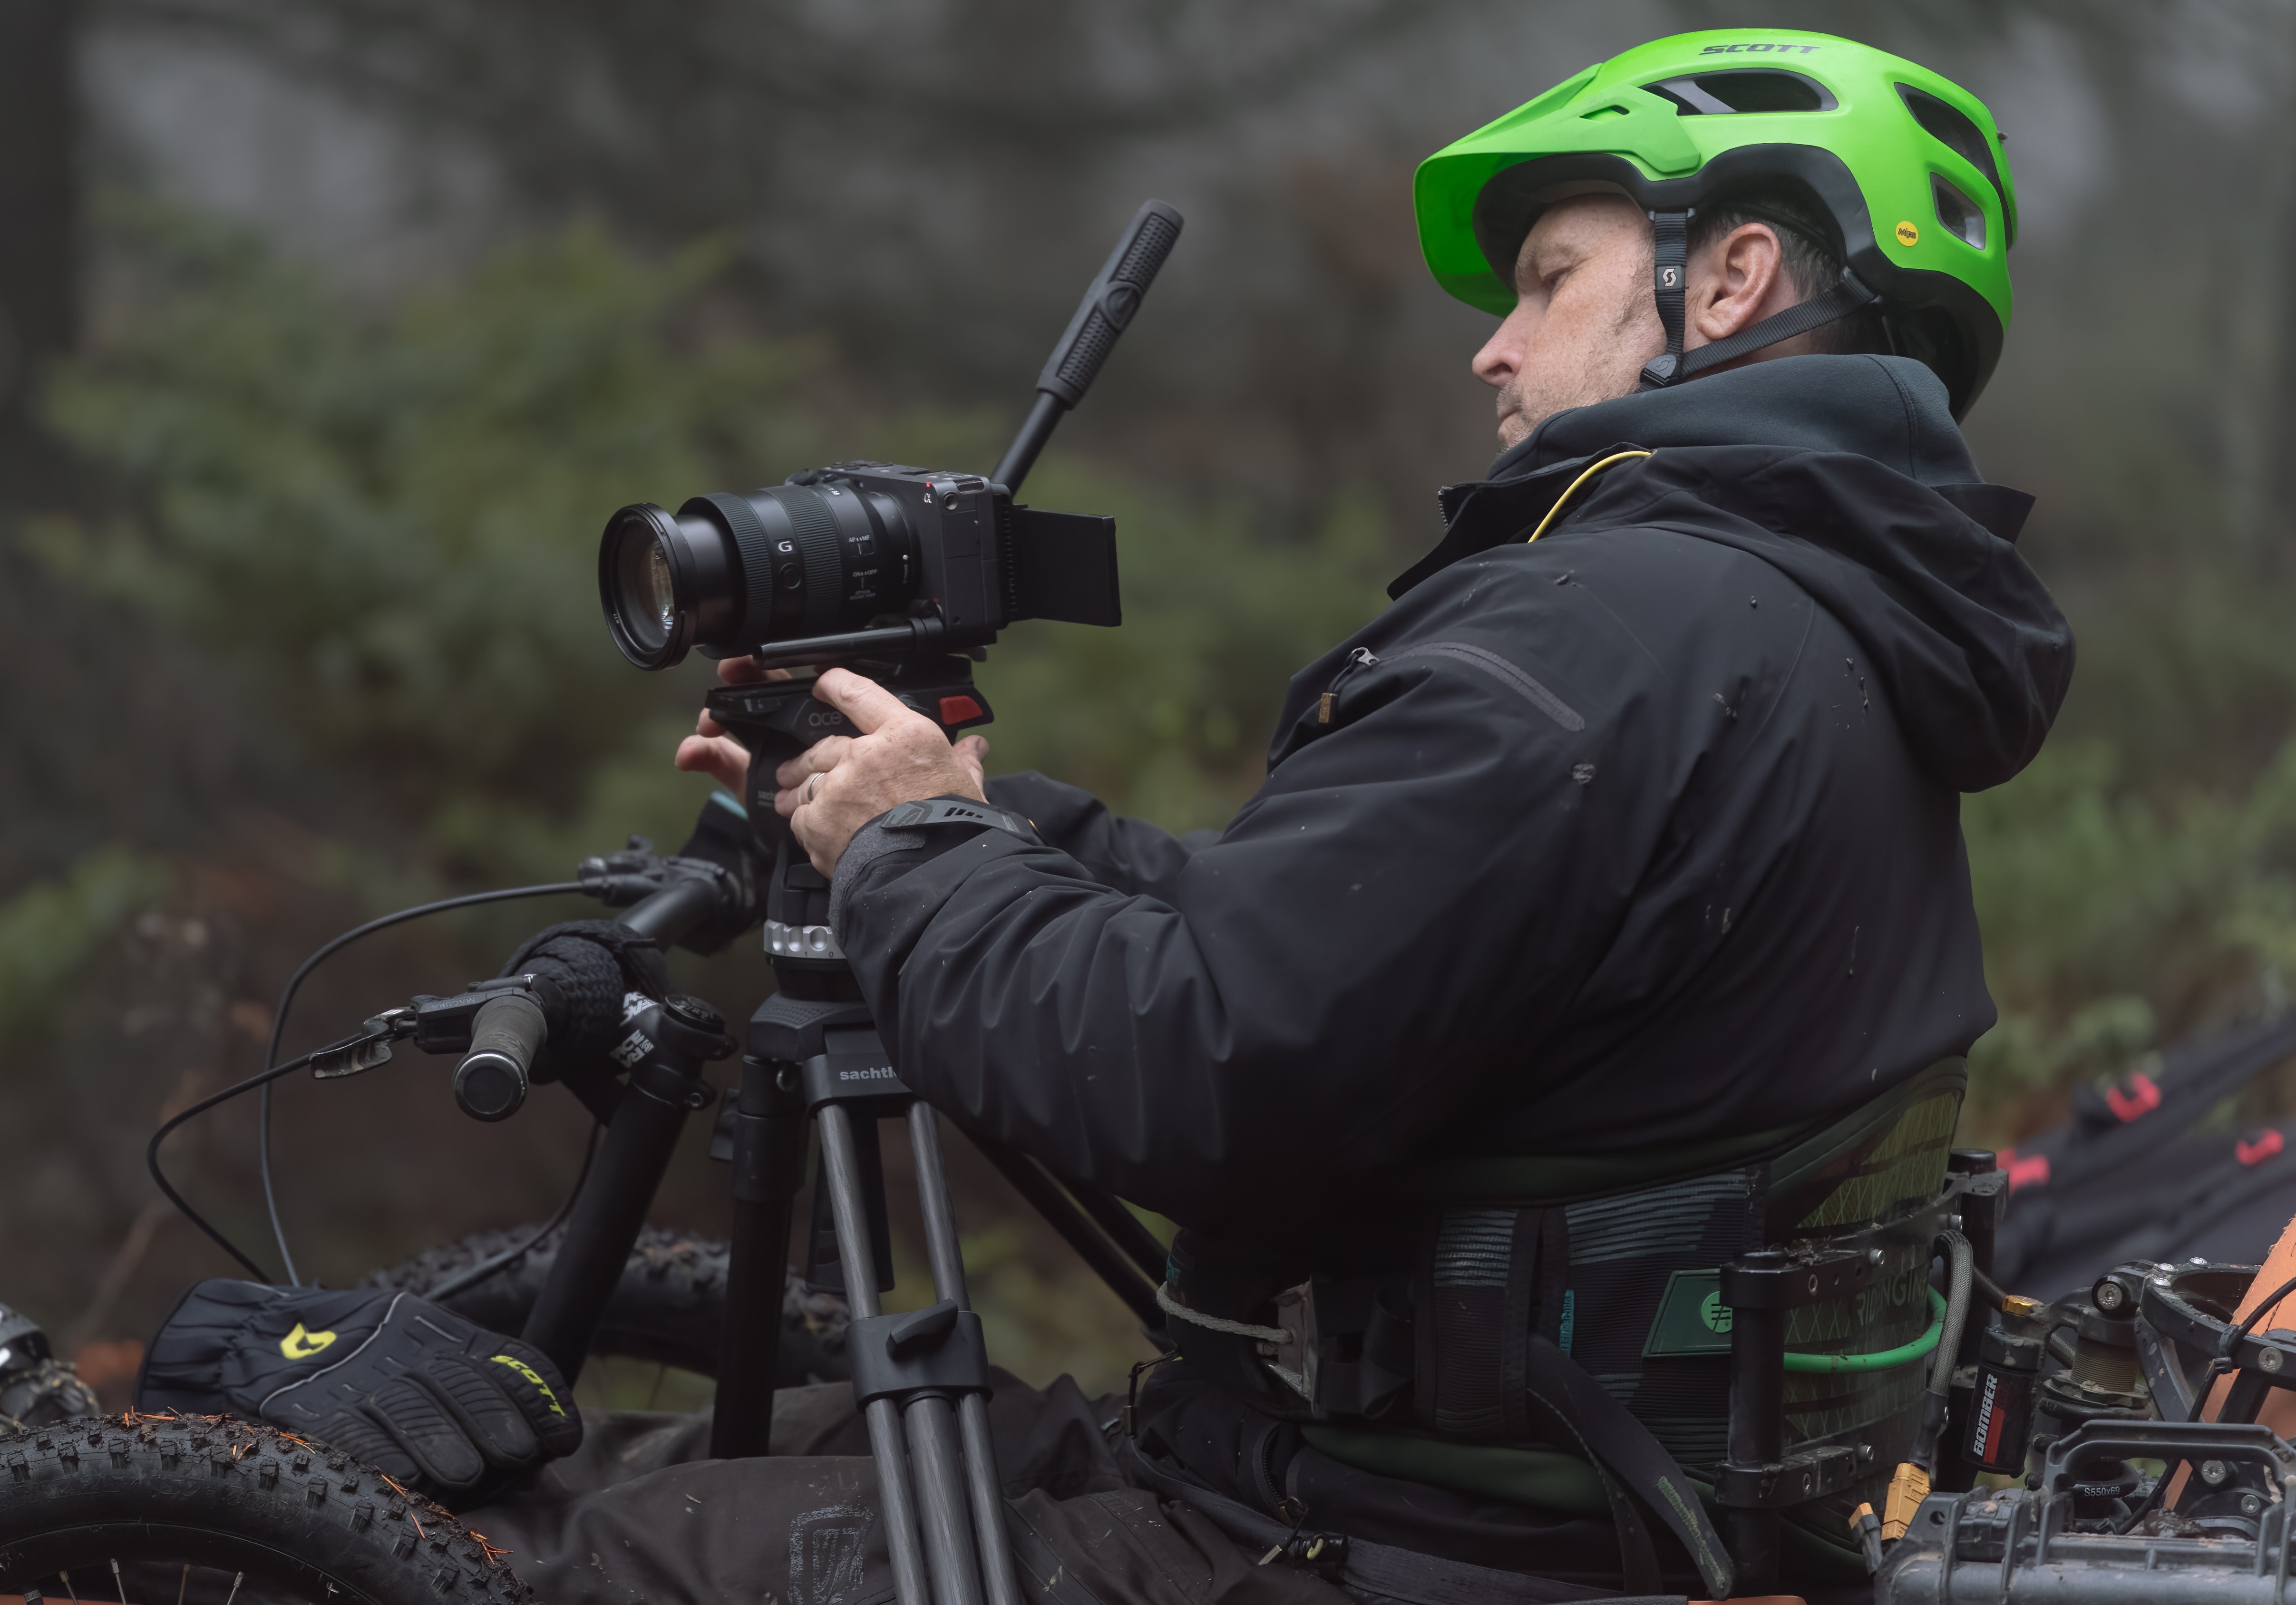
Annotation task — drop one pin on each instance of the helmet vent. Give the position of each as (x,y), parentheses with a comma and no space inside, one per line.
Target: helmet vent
(1722,94)
(1952,128)
(1960,216)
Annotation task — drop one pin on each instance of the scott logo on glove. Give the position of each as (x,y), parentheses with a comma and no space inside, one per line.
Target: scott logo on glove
(533,1376)
(408,1386)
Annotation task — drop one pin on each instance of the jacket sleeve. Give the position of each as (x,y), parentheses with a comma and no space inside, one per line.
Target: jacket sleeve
(1397,910)
(1130,856)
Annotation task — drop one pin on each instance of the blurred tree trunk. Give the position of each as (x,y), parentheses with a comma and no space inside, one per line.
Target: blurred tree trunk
(39,147)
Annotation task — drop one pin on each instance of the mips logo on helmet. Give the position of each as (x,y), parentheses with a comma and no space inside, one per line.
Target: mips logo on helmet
(301,1345)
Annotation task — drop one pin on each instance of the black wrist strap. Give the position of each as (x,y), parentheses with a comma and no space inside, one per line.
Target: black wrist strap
(957,811)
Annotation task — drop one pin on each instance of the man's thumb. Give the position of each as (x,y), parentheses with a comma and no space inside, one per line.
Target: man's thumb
(869,705)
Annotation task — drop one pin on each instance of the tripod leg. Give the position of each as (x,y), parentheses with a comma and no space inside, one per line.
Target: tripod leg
(981,1480)
(998,1569)
(940,1500)
(841,1172)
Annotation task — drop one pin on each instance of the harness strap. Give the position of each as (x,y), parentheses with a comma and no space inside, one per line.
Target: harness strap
(1616,1445)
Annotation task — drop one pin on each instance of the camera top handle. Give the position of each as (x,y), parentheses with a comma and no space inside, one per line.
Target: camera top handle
(1108,306)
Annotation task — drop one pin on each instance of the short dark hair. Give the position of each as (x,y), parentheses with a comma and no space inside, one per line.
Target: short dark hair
(1810,249)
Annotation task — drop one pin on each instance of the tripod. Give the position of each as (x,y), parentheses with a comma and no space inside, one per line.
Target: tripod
(814,1055)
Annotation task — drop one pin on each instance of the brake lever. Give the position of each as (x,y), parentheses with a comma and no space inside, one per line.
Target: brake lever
(364,1052)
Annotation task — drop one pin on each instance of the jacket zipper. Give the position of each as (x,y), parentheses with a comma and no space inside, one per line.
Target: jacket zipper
(1363,657)
(1479,658)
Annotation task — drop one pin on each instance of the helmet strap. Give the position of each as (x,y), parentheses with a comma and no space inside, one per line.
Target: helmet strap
(1670,282)
(1674,365)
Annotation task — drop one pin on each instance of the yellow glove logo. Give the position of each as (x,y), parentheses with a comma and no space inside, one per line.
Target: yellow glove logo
(301,1345)
(534,1377)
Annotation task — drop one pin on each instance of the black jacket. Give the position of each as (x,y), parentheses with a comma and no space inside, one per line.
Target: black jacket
(1646,832)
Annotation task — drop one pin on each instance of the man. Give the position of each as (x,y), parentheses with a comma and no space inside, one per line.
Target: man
(1610,879)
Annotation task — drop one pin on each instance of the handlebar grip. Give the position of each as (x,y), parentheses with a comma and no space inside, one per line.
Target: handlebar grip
(505,1034)
(1109,304)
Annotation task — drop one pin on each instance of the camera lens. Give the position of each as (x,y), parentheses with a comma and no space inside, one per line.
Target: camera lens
(665,584)
(651,595)
(730,573)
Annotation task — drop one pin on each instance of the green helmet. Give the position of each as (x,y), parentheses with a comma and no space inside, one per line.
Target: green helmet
(1908,167)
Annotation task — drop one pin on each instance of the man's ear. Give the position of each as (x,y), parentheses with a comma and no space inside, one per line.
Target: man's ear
(1736,281)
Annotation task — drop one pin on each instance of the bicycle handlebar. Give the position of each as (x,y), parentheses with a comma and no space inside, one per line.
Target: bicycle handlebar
(677,910)
(506,1033)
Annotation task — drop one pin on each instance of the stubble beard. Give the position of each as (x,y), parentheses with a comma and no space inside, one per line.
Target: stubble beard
(1585,371)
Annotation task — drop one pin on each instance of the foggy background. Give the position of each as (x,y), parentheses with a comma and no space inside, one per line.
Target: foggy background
(329,336)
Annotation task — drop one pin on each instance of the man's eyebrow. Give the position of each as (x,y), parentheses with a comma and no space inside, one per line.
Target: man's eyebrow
(1532,264)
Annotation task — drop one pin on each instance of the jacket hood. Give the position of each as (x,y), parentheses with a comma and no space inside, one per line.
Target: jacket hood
(1848,474)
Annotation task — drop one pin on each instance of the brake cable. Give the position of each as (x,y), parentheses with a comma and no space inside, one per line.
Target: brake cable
(263,1079)
(485,1268)
(279,1030)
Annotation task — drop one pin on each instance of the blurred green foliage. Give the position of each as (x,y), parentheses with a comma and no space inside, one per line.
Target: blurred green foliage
(2117,914)
(51,929)
(386,517)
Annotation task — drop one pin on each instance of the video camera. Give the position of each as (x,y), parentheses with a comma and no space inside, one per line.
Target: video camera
(878,561)
(904,574)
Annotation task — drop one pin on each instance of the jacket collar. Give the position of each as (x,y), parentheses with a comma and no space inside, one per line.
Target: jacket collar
(1891,409)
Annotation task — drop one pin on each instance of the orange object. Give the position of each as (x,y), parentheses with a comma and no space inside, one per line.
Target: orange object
(2279,1411)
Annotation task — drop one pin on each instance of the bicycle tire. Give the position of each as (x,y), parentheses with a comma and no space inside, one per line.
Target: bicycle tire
(668,1309)
(235,1499)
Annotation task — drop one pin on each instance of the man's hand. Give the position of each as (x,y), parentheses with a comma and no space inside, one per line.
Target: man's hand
(836,786)
(710,751)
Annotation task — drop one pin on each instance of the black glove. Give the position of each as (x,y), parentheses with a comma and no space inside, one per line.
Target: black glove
(406,1386)
(595,965)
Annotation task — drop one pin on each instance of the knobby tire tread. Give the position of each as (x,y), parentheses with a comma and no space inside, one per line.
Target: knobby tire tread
(157,1491)
(668,1309)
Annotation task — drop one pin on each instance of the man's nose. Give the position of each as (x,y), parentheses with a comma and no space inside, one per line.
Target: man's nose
(1501,357)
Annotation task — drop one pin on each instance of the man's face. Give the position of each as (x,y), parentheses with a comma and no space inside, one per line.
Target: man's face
(1584,322)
